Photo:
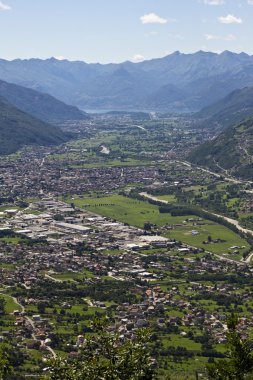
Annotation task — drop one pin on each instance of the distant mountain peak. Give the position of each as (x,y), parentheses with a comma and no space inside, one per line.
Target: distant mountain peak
(201,78)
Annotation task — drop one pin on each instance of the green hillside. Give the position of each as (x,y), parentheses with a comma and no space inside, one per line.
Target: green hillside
(40,105)
(18,129)
(231,150)
(232,109)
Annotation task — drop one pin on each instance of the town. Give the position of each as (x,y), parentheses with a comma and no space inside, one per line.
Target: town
(78,239)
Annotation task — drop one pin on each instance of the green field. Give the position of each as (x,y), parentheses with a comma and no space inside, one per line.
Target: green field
(216,231)
(10,305)
(136,213)
(71,276)
(11,240)
(170,198)
(127,210)
(108,163)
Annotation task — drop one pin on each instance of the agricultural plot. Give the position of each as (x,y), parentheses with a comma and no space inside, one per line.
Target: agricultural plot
(202,234)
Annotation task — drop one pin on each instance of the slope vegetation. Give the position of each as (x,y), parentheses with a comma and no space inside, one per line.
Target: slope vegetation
(228,111)
(42,106)
(18,129)
(231,150)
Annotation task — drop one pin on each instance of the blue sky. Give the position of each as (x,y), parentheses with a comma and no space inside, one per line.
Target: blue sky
(119,30)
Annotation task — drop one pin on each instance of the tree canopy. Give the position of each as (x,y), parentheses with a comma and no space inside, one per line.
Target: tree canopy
(107,356)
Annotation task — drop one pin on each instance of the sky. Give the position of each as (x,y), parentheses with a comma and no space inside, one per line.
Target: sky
(118,30)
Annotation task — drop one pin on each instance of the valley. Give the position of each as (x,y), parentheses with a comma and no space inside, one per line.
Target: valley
(126,190)
(118,222)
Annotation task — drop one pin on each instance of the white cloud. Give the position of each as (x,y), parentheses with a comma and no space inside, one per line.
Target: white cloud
(250,2)
(215,37)
(138,58)
(4,7)
(153,18)
(214,2)
(230,19)
(211,37)
(60,58)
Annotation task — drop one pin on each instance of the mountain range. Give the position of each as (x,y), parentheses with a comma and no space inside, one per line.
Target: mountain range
(232,109)
(176,83)
(231,151)
(39,105)
(18,128)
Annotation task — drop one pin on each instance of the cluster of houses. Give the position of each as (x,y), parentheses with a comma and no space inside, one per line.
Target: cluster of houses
(36,173)
(28,265)
(54,238)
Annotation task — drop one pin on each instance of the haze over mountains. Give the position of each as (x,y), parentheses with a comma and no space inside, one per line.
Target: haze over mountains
(235,107)
(18,128)
(42,106)
(232,149)
(176,83)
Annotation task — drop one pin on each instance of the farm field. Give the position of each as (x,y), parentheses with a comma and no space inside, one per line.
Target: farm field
(127,210)
(185,228)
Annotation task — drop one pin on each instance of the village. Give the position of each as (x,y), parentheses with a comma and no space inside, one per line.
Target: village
(65,261)
(159,274)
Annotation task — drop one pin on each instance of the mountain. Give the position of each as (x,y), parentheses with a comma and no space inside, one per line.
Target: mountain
(232,109)
(231,151)
(176,83)
(41,106)
(18,129)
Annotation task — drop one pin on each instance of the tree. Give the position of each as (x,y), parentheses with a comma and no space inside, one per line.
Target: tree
(107,356)
(2,306)
(239,362)
(5,367)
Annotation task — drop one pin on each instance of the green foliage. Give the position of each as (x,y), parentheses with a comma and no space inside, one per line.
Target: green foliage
(230,150)
(2,305)
(40,105)
(107,356)
(18,129)
(5,367)
(239,362)
(232,109)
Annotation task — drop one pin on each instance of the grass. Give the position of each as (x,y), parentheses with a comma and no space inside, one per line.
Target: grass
(245,215)
(170,198)
(113,252)
(71,276)
(127,210)
(176,340)
(11,240)
(7,266)
(186,370)
(216,231)
(105,163)
(10,305)
(136,213)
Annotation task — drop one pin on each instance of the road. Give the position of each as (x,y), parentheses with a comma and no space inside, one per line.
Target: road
(149,196)
(235,223)
(52,278)
(217,175)
(140,127)
(248,258)
(30,321)
(230,220)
